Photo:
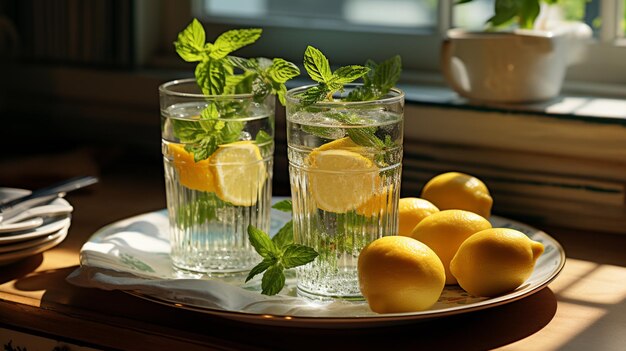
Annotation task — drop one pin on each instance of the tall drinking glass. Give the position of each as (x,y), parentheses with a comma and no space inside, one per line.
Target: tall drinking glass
(218,154)
(345,161)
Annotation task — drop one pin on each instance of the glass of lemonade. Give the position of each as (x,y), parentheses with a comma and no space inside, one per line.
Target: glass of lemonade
(218,154)
(345,161)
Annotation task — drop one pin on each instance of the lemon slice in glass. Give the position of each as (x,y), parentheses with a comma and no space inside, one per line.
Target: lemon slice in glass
(341,180)
(191,174)
(239,172)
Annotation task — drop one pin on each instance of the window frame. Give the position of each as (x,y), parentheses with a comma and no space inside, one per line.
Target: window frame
(602,73)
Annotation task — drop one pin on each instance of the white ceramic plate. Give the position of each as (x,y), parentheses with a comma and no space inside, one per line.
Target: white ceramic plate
(452,301)
(14,256)
(20,245)
(50,226)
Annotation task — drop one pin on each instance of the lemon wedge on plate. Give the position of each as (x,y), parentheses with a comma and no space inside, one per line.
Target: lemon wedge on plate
(239,172)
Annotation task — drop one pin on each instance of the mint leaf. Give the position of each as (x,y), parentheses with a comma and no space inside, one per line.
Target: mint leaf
(284,206)
(262,137)
(297,255)
(281,70)
(378,81)
(365,137)
(284,237)
(260,268)
(387,74)
(348,74)
(202,149)
(314,94)
(262,243)
(317,65)
(318,68)
(211,77)
(190,43)
(273,280)
(269,75)
(243,63)
(232,40)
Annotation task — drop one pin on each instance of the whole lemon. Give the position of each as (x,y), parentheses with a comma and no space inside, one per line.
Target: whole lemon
(495,261)
(454,190)
(411,211)
(400,274)
(445,231)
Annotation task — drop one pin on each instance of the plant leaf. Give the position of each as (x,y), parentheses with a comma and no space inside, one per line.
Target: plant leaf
(243,63)
(365,137)
(387,74)
(211,77)
(348,74)
(190,43)
(317,65)
(529,11)
(284,206)
(284,237)
(273,280)
(296,255)
(260,268)
(314,94)
(262,243)
(505,11)
(282,70)
(232,40)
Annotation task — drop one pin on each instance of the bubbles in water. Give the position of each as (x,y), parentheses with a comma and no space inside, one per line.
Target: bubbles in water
(245,136)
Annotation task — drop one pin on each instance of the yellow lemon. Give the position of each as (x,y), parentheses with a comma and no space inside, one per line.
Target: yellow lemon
(341,180)
(445,231)
(399,274)
(454,190)
(495,261)
(191,174)
(343,143)
(239,172)
(411,211)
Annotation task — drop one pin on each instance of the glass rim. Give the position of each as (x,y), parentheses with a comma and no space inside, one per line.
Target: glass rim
(165,88)
(290,96)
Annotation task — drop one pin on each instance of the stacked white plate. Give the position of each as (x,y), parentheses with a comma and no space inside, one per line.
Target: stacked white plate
(45,227)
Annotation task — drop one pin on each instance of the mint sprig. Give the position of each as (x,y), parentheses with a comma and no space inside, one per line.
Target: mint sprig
(329,82)
(215,75)
(213,66)
(378,81)
(279,253)
(268,76)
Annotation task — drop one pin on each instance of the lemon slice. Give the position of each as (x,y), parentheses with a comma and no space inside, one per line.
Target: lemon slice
(343,143)
(341,180)
(191,174)
(239,172)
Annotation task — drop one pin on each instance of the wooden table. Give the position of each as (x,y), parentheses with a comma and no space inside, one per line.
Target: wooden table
(583,309)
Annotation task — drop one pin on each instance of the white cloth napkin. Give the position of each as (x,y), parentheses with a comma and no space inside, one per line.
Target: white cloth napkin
(133,255)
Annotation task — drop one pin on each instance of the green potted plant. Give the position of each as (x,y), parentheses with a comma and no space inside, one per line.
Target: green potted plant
(521,56)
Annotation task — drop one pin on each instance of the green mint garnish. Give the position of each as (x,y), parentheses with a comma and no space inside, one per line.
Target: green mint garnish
(318,68)
(213,66)
(284,206)
(378,81)
(215,75)
(279,253)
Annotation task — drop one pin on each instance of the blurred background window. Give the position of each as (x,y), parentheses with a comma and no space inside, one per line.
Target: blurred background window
(351,30)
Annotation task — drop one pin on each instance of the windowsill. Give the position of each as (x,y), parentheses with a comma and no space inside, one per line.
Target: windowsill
(599,109)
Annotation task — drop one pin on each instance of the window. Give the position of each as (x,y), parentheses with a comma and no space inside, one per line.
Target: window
(351,30)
